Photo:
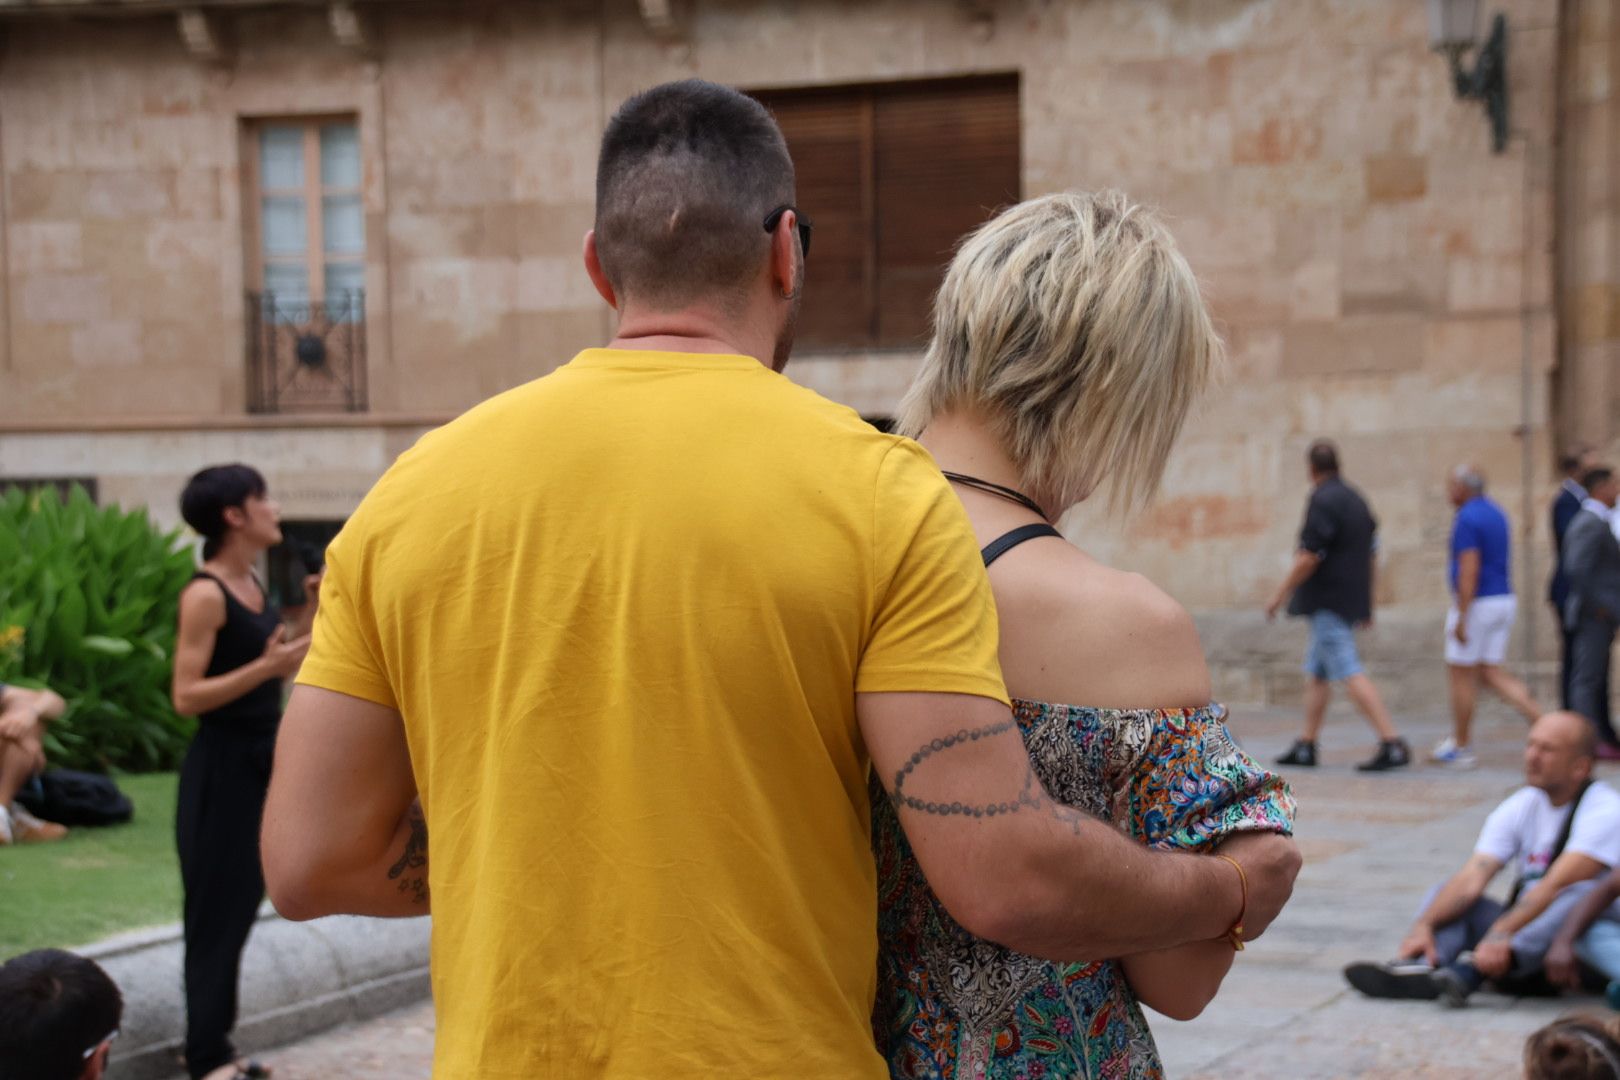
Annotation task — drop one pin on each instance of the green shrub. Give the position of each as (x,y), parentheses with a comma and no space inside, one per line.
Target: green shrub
(88,597)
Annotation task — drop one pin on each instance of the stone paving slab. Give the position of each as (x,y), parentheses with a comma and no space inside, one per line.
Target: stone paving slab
(1374,845)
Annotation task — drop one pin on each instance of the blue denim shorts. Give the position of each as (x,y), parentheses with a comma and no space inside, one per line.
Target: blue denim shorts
(1331,654)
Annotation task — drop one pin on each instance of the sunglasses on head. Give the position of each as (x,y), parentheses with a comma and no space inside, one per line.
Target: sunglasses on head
(803,223)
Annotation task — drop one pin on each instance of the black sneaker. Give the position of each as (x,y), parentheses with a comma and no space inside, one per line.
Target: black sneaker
(1398,980)
(1392,754)
(1455,985)
(1303,752)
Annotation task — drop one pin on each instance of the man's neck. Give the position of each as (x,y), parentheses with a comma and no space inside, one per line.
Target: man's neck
(1563,796)
(697,330)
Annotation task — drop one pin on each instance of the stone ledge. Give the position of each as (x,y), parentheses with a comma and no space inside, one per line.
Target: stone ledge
(297,979)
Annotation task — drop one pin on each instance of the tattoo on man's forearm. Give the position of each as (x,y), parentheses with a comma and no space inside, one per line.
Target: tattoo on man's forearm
(411,869)
(1031,796)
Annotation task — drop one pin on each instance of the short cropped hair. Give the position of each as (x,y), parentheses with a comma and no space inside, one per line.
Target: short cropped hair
(1323,457)
(1594,477)
(54,1006)
(687,174)
(1469,477)
(1573,457)
(1073,323)
(212,491)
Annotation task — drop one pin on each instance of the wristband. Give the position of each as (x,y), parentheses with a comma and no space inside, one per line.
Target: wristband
(1234,936)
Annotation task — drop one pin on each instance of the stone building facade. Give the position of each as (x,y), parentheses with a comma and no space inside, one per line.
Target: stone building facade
(1381,276)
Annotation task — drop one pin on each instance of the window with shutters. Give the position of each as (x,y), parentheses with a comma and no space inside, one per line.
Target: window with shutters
(893,175)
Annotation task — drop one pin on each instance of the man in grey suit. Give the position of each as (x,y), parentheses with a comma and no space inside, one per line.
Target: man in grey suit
(1592,610)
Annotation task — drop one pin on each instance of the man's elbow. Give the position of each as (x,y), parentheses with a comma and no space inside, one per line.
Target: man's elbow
(294,881)
(1187,1001)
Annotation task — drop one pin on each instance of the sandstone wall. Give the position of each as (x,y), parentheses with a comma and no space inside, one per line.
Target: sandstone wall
(1380,275)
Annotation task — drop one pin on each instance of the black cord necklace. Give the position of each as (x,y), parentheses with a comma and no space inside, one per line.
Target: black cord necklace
(997,490)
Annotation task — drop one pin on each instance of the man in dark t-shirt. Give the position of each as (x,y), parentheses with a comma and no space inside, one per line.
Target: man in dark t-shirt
(1331,584)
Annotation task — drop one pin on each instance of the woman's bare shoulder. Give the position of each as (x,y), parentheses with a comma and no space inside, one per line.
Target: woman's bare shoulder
(1102,636)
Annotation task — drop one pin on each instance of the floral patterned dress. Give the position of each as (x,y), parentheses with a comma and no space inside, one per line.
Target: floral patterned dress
(955,1007)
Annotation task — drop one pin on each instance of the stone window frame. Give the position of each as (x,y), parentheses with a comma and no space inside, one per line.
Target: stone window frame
(313,192)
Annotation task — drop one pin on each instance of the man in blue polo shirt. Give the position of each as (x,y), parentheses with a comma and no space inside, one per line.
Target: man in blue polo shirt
(1483,608)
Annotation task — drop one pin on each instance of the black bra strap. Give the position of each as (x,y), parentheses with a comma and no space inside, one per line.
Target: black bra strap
(1004,543)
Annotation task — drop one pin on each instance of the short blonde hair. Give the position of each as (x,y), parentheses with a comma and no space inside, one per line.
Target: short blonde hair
(1076,327)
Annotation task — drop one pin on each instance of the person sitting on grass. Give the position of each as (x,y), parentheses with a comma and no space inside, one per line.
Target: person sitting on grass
(23,716)
(59,1014)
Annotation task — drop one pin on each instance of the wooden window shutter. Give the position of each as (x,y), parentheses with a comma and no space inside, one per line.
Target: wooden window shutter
(893,176)
(947,160)
(828,135)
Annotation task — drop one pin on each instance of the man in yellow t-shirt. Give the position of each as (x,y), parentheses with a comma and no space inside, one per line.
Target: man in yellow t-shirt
(630,632)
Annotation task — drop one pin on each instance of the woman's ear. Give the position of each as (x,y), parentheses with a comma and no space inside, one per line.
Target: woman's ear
(235,517)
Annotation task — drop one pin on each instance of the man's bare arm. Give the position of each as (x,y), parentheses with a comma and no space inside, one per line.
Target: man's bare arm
(1565,871)
(343,831)
(1455,897)
(1014,866)
(1560,962)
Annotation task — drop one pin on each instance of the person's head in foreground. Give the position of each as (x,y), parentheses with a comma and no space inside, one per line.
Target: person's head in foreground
(231,503)
(695,222)
(1072,326)
(1559,754)
(1574,1048)
(59,1014)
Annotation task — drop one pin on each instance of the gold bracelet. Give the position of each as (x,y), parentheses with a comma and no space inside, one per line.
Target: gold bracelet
(1234,936)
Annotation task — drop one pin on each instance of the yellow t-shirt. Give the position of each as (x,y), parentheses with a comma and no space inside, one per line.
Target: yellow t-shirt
(624,611)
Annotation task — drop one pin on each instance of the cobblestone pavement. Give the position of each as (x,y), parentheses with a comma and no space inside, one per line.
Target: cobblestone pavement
(1372,845)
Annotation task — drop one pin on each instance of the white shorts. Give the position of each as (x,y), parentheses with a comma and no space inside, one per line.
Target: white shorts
(1490,625)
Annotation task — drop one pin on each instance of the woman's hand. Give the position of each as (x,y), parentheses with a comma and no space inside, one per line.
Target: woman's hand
(281,657)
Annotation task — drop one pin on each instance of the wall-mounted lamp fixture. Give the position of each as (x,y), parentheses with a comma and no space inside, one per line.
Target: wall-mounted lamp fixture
(1453,31)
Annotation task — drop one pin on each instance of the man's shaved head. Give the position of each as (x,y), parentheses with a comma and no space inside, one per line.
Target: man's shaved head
(687,174)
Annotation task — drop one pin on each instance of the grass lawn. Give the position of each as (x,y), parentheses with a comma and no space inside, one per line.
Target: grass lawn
(96,882)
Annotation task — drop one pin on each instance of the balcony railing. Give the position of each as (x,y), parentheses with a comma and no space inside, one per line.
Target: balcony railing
(306,355)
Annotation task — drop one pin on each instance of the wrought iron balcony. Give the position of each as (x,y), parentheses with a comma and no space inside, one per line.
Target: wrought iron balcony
(305,355)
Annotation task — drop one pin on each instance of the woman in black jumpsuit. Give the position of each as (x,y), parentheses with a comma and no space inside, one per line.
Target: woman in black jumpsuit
(231,657)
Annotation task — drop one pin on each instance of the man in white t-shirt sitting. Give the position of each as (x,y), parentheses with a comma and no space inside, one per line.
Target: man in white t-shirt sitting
(1560,830)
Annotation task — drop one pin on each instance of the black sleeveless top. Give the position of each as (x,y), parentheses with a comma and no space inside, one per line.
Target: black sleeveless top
(240,642)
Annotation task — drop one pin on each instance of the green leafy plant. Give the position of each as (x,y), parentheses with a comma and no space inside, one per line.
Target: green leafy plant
(88,597)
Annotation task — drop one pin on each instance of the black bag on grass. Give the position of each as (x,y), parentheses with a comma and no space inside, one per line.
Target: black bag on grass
(76,798)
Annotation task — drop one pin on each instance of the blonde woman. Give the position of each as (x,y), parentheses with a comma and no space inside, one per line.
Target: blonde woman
(1069,343)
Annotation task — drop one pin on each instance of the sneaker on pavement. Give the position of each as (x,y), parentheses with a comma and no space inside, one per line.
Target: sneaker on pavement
(1456,982)
(1447,752)
(1392,754)
(28,829)
(1303,752)
(1396,980)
